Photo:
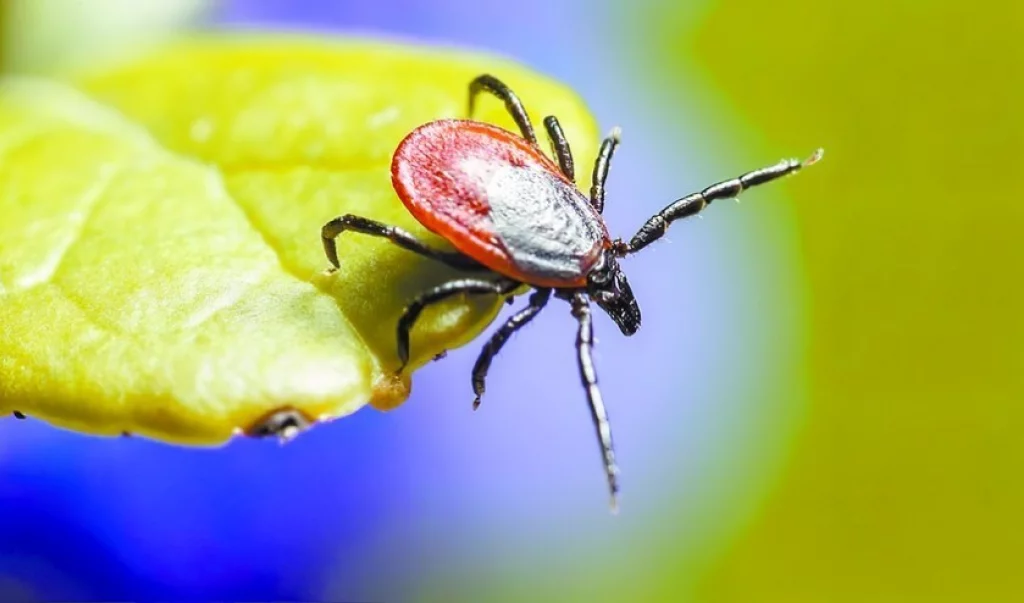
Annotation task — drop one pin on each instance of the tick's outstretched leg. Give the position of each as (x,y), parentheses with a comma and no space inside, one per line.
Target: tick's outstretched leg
(513,105)
(584,345)
(467,286)
(601,165)
(656,227)
(518,320)
(396,235)
(560,146)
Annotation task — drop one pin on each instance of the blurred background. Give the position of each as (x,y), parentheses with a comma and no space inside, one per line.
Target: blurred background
(825,404)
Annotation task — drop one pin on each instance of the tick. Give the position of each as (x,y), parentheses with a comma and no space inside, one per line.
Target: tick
(515,217)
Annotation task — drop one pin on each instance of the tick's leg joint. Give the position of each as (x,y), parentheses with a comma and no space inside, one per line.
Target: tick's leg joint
(620,248)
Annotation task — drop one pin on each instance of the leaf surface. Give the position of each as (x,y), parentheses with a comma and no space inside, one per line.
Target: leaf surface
(160,264)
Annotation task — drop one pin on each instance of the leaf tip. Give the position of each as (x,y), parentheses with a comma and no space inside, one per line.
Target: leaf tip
(390,391)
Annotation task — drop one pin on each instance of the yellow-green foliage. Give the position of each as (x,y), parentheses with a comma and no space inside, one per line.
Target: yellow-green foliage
(160,263)
(905,484)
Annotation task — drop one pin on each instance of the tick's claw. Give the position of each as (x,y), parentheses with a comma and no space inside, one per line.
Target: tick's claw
(476,402)
(814,158)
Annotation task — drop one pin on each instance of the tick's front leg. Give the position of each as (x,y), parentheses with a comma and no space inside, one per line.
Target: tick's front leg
(584,352)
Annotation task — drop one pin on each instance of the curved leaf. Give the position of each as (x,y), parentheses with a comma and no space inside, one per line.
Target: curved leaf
(169,280)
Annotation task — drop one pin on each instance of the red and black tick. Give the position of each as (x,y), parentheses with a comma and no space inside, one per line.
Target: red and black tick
(517,218)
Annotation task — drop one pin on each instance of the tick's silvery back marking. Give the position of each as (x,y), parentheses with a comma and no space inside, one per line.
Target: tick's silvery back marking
(546,225)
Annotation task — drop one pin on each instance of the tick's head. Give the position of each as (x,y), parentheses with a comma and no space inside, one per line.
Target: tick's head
(608,287)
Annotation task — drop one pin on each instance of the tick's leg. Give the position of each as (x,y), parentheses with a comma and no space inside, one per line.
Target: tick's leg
(396,235)
(601,165)
(584,345)
(467,286)
(513,105)
(656,227)
(518,320)
(560,146)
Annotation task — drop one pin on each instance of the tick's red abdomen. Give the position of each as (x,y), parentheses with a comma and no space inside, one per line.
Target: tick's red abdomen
(500,201)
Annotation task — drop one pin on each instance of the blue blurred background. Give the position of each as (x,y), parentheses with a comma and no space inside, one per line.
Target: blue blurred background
(750,314)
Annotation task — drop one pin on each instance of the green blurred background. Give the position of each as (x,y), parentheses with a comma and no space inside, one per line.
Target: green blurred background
(905,483)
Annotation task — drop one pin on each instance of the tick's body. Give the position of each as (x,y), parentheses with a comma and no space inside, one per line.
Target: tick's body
(500,201)
(515,217)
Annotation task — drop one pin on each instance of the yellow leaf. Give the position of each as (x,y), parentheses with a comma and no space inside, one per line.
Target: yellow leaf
(161,270)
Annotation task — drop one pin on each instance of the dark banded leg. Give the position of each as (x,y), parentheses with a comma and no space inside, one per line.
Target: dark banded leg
(396,235)
(518,320)
(584,345)
(601,166)
(690,205)
(560,146)
(489,83)
(466,286)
